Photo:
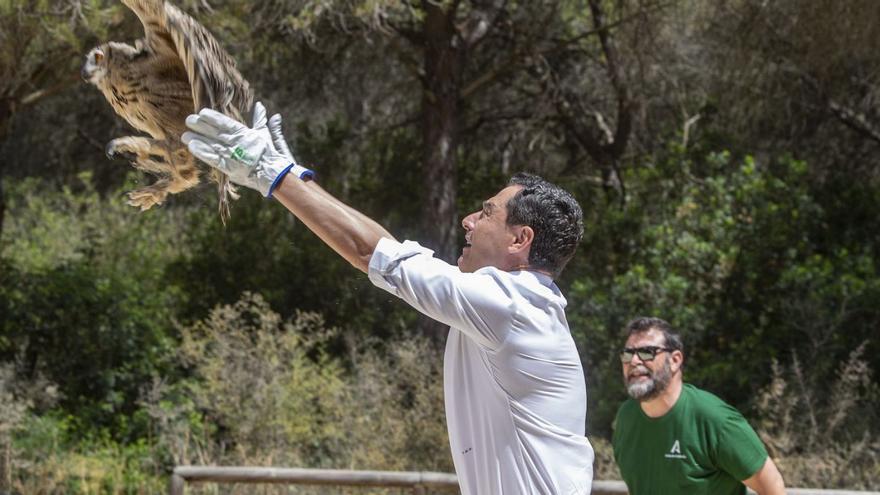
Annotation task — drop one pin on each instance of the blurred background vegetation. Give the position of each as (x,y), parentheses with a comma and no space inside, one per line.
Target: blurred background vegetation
(726,154)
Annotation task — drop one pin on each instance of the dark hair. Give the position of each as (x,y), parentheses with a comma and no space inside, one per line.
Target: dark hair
(671,338)
(553,214)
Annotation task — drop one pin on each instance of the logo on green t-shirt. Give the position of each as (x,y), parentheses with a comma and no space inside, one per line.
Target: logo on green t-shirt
(675,452)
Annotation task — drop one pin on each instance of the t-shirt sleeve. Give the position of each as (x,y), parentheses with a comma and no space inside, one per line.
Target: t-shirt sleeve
(740,452)
(474,303)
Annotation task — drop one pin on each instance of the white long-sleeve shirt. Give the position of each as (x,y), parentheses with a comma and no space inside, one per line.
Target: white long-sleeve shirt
(516,399)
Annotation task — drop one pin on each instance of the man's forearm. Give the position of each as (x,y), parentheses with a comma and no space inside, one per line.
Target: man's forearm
(347,231)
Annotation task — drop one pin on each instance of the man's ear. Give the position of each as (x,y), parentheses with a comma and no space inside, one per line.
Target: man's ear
(677,360)
(523,237)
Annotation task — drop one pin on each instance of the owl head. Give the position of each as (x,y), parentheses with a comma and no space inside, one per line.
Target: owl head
(102,58)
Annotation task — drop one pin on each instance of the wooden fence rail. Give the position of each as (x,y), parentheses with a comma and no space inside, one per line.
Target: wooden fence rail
(418,481)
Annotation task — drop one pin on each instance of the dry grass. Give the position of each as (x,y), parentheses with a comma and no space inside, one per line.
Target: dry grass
(266,393)
(822,440)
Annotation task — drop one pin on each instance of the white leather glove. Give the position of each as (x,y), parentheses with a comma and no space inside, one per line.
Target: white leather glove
(250,156)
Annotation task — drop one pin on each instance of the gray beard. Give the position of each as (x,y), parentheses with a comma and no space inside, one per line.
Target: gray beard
(653,386)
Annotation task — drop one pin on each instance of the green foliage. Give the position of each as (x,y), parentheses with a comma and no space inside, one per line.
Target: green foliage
(127,345)
(734,253)
(266,391)
(84,300)
(51,458)
(40,41)
(264,250)
(243,354)
(399,423)
(260,391)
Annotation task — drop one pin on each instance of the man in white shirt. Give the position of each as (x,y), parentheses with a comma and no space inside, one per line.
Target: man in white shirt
(514,387)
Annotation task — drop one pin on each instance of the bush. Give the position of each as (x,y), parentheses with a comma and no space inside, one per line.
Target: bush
(264,391)
(822,440)
(50,459)
(741,257)
(83,300)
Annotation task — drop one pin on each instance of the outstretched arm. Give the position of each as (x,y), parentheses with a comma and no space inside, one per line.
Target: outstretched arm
(259,158)
(347,231)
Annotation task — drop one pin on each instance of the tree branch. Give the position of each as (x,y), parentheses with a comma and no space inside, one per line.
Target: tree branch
(511,64)
(849,117)
(480,26)
(60,86)
(685,133)
(855,121)
(615,74)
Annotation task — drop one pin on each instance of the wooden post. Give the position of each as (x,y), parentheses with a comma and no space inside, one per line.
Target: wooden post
(175,485)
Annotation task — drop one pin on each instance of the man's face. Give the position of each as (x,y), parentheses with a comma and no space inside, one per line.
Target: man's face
(487,235)
(647,379)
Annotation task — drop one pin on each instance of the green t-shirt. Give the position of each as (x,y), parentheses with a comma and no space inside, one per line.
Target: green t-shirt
(701,446)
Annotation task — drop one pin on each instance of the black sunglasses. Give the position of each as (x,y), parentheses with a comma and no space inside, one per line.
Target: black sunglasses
(644,353)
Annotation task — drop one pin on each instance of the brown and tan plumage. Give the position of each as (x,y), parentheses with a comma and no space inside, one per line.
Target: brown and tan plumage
(177,69)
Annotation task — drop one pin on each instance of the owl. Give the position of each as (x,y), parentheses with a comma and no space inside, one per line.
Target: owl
(177,69)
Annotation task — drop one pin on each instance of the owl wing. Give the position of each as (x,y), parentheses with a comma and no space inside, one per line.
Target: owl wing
(215,81)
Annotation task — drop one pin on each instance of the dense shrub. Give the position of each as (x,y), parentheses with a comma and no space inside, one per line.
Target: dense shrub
(264,391)
(823,439)
(83,298)
(736,253)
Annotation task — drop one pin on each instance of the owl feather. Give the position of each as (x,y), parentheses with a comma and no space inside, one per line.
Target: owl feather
(177,69)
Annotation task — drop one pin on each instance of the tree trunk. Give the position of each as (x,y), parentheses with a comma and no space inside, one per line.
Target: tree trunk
(444,58)
(441,101)
(5,117)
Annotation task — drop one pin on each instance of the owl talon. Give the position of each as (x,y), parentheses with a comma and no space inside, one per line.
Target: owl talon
(145,198)
(112,151)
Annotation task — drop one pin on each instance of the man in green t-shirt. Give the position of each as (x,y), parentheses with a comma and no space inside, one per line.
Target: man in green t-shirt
(672,437)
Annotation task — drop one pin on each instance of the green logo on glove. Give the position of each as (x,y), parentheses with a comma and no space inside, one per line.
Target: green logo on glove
(239,154)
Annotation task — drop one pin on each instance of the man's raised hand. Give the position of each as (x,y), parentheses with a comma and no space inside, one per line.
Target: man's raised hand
(250,156)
